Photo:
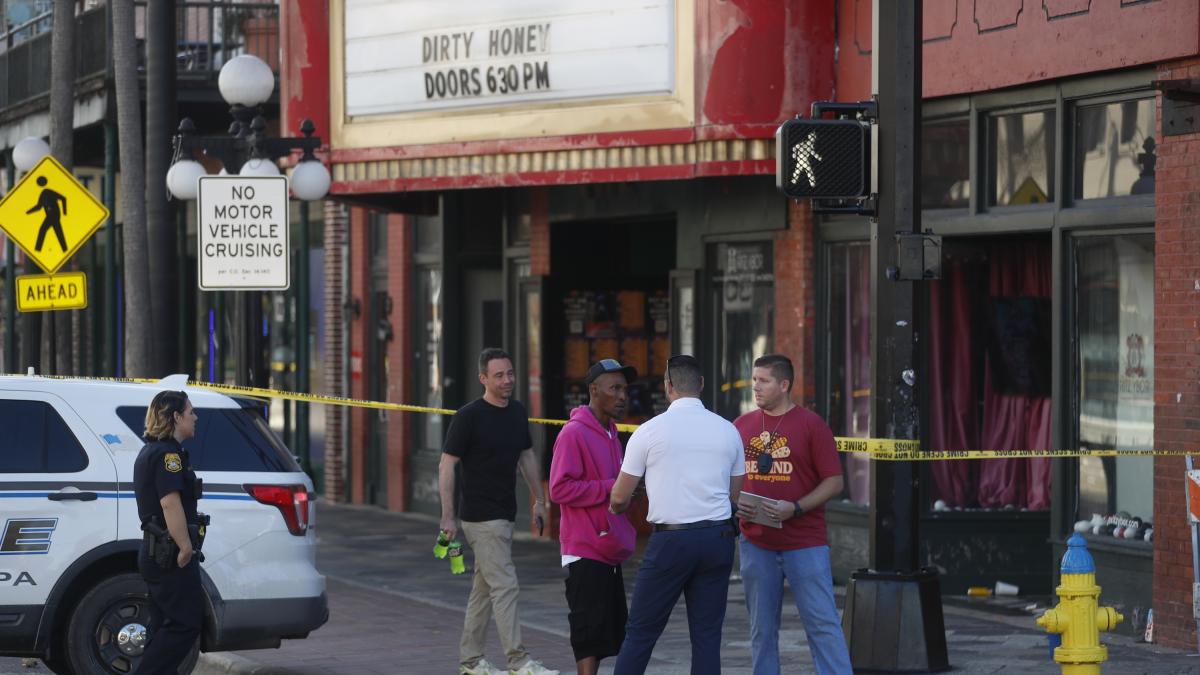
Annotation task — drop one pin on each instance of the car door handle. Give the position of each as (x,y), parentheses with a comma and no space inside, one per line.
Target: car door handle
(65,496)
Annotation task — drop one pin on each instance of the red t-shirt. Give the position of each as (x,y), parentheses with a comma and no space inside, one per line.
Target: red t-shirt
(804,455)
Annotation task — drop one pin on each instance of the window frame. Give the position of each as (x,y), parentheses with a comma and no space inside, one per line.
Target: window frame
(1070,426)
(1107,203)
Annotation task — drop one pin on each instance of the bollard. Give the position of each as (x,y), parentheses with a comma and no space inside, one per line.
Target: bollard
(1078,616)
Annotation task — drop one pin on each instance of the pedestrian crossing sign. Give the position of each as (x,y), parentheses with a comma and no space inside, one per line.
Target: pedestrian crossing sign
(50,215)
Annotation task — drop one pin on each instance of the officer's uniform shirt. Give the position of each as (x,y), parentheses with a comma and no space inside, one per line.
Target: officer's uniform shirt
(687,455)
(163,467)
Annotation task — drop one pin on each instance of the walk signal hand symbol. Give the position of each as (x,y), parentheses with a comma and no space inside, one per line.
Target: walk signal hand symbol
(50,215)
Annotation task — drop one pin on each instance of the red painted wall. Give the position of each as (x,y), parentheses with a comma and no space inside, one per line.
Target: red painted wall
(761,61)
(304,74)
(972,46)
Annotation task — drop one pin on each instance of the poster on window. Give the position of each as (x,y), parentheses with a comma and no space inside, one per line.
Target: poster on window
(1135,371)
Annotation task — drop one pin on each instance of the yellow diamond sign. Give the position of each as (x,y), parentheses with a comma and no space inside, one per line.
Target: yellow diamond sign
(49,214)
(46,292)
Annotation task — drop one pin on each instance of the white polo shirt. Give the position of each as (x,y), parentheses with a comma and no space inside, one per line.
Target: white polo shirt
(687,455)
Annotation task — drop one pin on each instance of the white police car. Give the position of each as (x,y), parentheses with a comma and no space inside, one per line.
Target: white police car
(69,530)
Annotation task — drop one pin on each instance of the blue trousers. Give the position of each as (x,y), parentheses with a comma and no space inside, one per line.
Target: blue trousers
(808,572)
(696,564)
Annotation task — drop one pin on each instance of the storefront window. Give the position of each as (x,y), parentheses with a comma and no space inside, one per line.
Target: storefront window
(1021,151)
(849,402)
(1115,319)
(946,164)
(743,283)
(1114,149)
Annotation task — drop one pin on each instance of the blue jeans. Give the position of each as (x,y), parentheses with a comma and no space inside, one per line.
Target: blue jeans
(808,572)
(696,564)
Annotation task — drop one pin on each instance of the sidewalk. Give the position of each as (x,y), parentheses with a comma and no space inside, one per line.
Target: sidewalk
(396,609)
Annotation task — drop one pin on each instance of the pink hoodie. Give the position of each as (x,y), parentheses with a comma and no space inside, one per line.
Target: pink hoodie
(585,466)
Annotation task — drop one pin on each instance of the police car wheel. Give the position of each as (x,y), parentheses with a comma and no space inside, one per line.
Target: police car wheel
(110,628)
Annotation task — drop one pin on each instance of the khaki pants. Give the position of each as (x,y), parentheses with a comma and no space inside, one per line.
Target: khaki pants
(494,590)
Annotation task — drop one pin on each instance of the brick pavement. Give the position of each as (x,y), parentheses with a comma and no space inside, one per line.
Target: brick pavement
(395,609)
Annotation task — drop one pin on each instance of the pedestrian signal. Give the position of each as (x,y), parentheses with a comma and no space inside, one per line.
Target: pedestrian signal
(50,215)
(823,159)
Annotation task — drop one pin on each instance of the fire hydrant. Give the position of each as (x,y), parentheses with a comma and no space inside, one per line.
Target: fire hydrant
(1078,617)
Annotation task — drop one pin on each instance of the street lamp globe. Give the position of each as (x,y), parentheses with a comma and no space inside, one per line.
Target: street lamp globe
(310,181)
(246,80)
(28,152)
(259,167)
(183,179)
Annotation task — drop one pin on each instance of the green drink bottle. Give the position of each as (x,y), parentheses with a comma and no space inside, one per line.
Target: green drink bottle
(439,547)
(456,558)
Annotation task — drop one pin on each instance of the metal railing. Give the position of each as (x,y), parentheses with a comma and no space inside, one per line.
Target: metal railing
(209,33)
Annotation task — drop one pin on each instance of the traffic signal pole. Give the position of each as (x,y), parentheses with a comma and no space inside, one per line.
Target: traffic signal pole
(893,619)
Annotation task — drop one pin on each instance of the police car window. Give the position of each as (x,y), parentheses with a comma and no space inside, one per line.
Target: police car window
(227,439)
(37,440)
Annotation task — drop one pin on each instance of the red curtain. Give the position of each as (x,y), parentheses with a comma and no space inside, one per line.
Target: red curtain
(1008,421)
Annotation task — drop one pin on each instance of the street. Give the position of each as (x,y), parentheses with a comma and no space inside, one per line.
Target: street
(394,608)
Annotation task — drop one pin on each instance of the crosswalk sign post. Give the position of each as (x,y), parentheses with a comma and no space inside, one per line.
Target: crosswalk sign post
(50,215)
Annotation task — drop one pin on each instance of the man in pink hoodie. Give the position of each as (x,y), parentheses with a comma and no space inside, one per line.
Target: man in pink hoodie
(587,459)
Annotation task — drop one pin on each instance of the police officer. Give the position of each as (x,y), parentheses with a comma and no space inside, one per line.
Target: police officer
(167,491)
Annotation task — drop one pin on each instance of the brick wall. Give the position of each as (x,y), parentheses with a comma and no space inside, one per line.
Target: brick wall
(795,300)
(1177,368)
(400,365)
(360,284)
(539,231)
(336,223)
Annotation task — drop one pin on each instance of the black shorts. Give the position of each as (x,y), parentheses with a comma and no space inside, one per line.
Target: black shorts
(596,598)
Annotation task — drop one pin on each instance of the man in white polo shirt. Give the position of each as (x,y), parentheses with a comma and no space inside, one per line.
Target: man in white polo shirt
(694,463)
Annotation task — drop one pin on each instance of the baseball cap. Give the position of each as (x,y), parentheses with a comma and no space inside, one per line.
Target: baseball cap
(610,366)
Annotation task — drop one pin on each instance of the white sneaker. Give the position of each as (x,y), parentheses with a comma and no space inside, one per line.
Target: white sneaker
(532,667)
(481,668)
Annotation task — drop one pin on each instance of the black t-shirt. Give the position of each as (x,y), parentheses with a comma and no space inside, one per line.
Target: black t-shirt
(489,441)
(163,467)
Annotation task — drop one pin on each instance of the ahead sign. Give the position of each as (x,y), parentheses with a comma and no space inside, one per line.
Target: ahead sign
(243,237)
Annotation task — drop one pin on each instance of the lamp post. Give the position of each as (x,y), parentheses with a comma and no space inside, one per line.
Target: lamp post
(246,82)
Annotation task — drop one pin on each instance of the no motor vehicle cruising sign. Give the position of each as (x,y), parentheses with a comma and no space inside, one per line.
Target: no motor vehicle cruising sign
(243,233)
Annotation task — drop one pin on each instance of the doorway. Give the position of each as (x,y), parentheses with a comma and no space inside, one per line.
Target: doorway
(380,332)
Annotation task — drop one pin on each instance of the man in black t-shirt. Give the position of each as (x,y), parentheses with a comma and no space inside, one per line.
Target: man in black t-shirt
(489,438)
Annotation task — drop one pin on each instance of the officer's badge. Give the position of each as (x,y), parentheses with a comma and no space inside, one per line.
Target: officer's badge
(172,462)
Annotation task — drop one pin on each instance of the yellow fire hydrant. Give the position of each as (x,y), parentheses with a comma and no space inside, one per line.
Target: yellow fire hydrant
(1078,618)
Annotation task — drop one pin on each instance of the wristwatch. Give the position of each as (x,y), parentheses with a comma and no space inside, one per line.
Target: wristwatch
(799,509)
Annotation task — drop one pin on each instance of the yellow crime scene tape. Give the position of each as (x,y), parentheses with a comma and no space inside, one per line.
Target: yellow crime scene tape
(881,449)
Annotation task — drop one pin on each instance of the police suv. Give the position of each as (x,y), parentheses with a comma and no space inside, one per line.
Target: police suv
(70,592)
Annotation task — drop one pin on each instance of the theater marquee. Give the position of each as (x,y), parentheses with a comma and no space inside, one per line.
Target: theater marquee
(412,70)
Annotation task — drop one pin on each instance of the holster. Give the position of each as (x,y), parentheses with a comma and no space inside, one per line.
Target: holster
(163,550)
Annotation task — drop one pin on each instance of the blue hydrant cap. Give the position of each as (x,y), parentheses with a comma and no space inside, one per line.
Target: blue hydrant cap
(1078,560)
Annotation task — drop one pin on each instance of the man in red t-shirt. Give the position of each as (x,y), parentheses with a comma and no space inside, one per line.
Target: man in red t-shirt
(792,461)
